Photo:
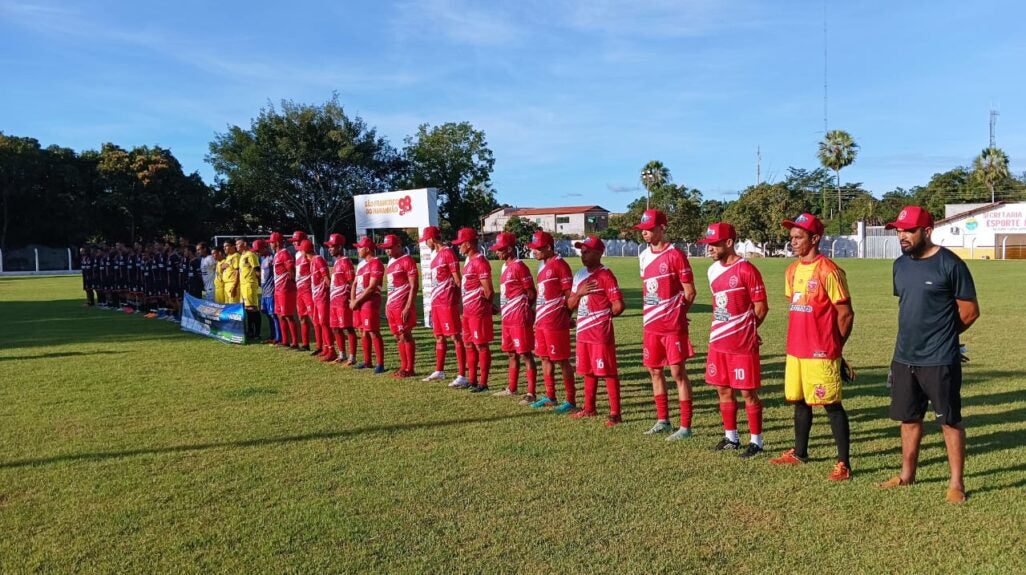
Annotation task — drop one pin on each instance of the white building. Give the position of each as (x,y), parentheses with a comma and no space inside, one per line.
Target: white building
(983,231)
(576,221)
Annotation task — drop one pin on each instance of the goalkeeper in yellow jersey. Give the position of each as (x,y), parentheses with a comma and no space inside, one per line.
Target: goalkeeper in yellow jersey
(249,287)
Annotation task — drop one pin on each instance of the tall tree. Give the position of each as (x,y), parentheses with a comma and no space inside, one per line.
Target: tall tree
(757,213)
(522,228)
(21,163)
(455,159)
(836,152)
(991,167)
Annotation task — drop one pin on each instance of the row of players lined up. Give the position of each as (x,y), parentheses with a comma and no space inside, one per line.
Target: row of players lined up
(303,295)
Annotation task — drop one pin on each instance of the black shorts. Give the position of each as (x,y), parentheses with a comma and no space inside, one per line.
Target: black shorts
(912,386)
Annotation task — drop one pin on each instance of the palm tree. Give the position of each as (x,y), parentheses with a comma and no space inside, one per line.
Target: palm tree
(836,152)
(990,167)
(653,176)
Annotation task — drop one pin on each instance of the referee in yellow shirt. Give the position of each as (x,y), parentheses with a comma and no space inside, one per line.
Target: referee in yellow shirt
(230,274)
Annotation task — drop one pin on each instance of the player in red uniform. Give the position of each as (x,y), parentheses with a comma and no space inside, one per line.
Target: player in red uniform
(516,300)
(304,294)
(284,266)
(445,283)
(739,307)
(342,275)
(365,301)
(596,297)
(668,292)
(477,291)
(401,308)
(320,286)
(552,321)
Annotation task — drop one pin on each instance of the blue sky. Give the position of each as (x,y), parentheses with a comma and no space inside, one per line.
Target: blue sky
(574,96)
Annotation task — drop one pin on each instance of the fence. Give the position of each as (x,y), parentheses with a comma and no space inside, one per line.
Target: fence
(37,259)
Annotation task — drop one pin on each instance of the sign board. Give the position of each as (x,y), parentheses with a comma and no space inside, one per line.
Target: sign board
(217,320)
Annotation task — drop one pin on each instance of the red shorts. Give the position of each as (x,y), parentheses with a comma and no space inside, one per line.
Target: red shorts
(733,370)
(552,344)
(368,316)
(662,349)
(598,359)
(395,320)
(445,320)
(321,315)
(304,304)
(284,303)
(517,338)
(478,329)
(341,315)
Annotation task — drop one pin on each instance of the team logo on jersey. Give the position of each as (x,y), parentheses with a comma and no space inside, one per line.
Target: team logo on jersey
(582,309)
(733,281)
(820,392)
(712,369)
(812,285)
(651,292)
(663,268)
(721,300)
(405,205)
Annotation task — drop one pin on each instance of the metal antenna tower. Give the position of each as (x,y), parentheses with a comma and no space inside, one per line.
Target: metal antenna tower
(993,124)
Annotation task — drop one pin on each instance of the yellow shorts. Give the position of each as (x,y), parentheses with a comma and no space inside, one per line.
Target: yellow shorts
(250,295)
(817,381)
(228,297)
(219,294)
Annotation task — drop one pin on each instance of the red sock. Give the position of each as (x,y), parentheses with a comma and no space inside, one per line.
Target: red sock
(366,348)
(411,355)
(590,385)
(471,352)
(486,364)
(613,389)
(286,333)
(306,333)
(685,413)
(351,336)
(728,411)
(550,385)
(338,342)
(400,346)
(440,349)
(571,388)
(532,379)
(379,349)
(461,358)
(754,417)
(662,408)
(514,374)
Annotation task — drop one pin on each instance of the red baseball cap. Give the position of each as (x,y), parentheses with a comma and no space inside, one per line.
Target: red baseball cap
(306,246)
(651,219)
(276,238)
(465,235)
(910,218)
(504,240)
(390,240)
(431,233)
(297,237)
(717,232)
(259,245)
(592,243)
(364,242)
(807,222)
(540,239)
(335,240)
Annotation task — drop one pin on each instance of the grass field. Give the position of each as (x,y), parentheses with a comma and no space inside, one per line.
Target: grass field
(129,446)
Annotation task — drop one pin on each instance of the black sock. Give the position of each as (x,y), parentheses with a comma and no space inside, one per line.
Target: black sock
(842,434)
(257,320)
(802,428)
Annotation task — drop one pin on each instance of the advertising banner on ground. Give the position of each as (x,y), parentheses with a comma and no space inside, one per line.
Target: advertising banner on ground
(217,320)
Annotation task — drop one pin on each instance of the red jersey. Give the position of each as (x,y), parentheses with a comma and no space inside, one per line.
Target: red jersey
(444,291)
(319,278)
(554,278)
(595,310)
(514,284)
(815,289)
(342,276)
(735,289)
(364,272)
(283,266)
(476,271)
(401,272)
(663,276)
(302,272)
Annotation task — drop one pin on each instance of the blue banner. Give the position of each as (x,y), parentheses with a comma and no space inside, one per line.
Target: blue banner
(223,321)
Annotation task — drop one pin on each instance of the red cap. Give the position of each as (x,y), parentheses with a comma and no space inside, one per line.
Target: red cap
(910,218)
(807,222)
(717,232)
(297,237)
(504,240)
(390,240)
(431,233)
(306,246)
(592,243)
(465,235)
(540,239)
(335,240)
(364,242)
(259,245)
(651,219)
(276,238)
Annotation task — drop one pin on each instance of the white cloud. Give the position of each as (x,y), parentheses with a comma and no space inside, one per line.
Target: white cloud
(460,21)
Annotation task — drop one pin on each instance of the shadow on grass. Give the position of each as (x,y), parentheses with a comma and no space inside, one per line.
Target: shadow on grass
(57,354)
(259,442)
(47,323)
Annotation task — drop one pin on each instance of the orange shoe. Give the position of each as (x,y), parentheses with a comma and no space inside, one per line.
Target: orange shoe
(584,413)
(955,496)
(841,472)
(893,482)
(788,458)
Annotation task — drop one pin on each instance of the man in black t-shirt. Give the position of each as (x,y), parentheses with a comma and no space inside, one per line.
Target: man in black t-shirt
(936,302)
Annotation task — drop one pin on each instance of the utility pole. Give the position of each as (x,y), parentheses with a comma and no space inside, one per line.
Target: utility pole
(993,124)
(758,165)
(824,68)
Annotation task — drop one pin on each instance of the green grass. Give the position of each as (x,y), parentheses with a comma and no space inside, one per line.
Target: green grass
(129,446)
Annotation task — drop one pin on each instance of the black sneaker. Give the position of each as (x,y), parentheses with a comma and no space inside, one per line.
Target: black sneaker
(479,389)
(727,445)
(751,451)
(473,387)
